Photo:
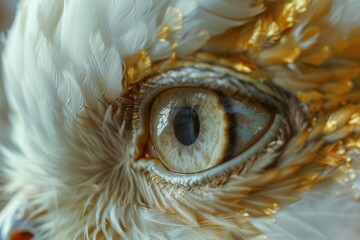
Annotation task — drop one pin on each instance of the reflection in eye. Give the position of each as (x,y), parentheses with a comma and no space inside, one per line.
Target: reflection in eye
(195,129)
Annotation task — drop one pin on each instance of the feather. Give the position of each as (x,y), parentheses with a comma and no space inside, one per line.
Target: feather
(328,213)
(3,101)
(217,16)
(119,17)
(344,13)
(104,69)
(10,216)
(79,20)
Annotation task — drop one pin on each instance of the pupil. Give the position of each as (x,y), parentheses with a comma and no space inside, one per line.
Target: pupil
(186,126)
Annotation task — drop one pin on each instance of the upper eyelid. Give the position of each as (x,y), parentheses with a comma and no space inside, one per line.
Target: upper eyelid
(196,75)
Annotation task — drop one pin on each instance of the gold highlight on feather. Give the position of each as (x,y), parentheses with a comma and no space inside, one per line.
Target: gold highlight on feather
(268,28)
(170,30)
(164,32)
(134,64)
(273,40)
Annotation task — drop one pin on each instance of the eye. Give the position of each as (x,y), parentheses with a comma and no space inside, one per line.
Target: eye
(195,129)
(199,124)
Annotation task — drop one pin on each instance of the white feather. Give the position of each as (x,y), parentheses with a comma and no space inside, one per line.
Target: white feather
(104,68)
(78,22)
(345,14)
(329,213)
(3,123)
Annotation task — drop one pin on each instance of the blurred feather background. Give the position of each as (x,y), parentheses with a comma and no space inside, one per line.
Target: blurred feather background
(7,11)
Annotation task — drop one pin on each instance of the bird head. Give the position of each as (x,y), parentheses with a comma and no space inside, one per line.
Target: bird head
(188,119)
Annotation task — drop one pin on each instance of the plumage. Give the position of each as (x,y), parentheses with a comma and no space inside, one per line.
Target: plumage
(74,88)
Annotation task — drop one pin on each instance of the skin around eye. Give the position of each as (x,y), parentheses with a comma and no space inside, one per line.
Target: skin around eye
(195,129)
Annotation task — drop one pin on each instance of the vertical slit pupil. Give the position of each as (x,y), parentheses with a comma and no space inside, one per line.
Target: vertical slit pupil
(186,125)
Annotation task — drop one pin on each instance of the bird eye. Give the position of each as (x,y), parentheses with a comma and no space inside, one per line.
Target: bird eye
(196,125)
(195,129)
